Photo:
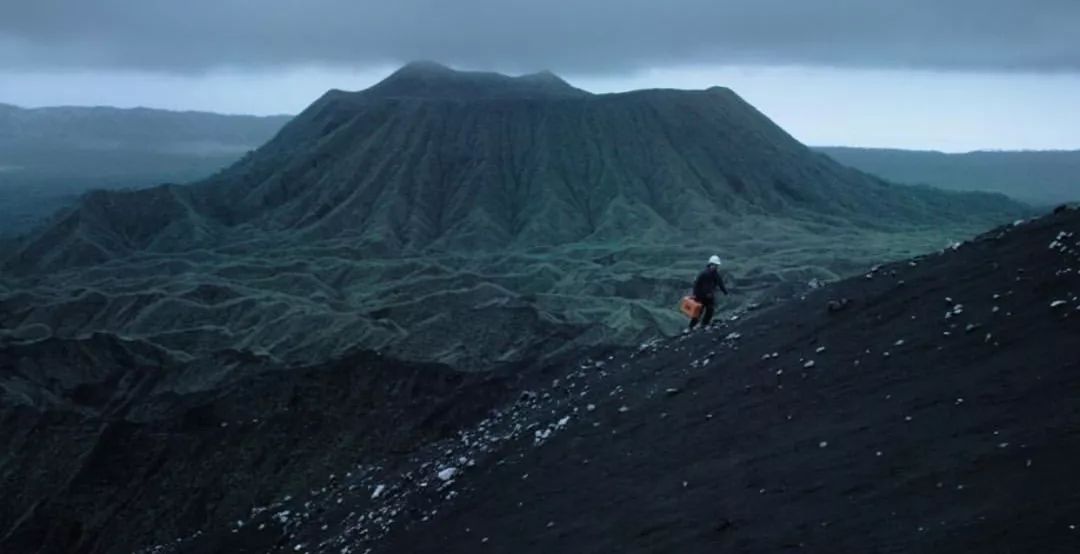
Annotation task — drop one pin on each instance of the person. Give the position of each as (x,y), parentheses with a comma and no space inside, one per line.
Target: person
(705,291)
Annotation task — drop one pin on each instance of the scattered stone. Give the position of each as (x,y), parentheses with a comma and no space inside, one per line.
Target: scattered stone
(833,306)
(808,364)
(448,473)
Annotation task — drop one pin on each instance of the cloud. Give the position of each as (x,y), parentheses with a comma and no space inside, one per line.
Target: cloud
(582,36)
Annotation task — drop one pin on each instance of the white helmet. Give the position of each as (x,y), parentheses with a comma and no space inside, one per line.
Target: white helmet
(714,260)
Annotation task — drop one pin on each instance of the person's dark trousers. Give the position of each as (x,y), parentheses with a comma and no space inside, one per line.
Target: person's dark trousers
(708,307)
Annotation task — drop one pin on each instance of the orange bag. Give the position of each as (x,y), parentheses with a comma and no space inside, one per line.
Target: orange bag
(692,308)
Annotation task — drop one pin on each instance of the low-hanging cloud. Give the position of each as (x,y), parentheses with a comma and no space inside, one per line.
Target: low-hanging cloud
(594,36)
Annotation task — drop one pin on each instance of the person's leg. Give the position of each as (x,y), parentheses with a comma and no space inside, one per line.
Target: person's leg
(706,318)
(694,322)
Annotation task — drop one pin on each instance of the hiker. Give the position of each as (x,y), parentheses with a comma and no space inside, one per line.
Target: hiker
(705,291)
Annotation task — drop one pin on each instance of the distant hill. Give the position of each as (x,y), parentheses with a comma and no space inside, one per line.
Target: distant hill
(1036,177)
(473,219)
(48,156)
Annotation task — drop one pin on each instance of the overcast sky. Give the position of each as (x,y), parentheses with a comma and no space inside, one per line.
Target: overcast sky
(936,74)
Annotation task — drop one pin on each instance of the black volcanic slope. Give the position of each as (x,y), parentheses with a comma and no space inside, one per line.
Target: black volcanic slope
(930,405)
(473,219)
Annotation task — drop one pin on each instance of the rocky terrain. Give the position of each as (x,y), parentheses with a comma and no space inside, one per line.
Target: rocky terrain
(925,405)
(435,315)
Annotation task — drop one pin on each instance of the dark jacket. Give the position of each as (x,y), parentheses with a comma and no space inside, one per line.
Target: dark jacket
(706,284)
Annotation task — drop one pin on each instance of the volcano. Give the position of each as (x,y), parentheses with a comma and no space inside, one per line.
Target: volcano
(436,160)
(474,219)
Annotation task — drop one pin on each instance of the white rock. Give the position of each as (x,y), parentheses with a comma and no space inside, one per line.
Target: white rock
(899,343)
(378,491)
(1057,303)
(809,364)
(823,444)
(820,349)
(448,473)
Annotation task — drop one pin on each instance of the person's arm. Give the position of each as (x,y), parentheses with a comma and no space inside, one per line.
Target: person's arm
(720,283)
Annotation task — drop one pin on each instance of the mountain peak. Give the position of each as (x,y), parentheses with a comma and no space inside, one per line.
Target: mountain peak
(424,67)
(428,79)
